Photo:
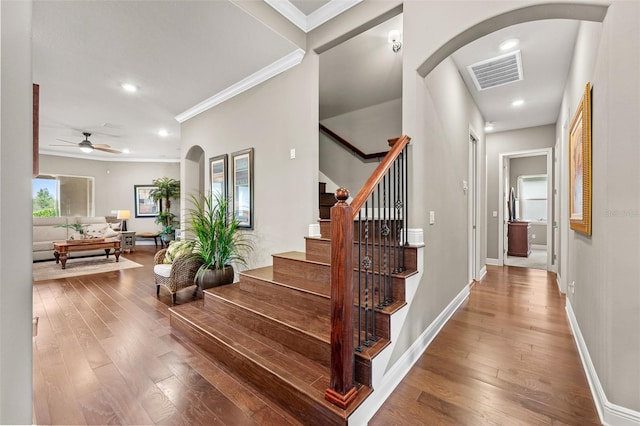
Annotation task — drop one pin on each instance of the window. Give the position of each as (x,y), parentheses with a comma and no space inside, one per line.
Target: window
(63,196)
(532,198)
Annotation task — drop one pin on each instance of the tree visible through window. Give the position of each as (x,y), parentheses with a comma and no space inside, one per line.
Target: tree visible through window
(63,196)
(532,198)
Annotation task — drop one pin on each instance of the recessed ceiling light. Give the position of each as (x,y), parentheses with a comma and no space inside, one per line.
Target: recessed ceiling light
(508,44)
(163,133)
(489,126)
(517,103)
(125,151)
(129,87)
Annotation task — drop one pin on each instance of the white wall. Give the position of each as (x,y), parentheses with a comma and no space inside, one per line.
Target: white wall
(605,266)
(501,143)
(369,129)
(273,118)
(16,292)
(114,183)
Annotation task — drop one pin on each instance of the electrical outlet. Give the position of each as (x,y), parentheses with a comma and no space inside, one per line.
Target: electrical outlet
(533,236)
(292,153)
(494,213)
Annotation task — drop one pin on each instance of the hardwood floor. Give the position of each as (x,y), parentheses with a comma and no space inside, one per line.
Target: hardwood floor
(104,354)
(506,357)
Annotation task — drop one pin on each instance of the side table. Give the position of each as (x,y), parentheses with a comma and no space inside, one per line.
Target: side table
(127,241)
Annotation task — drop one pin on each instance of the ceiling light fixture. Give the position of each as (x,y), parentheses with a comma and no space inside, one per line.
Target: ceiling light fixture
(489,126)
(508,44)
(125,151)
(517,103)
(86,149)
(128,87)
(163,133)
(395,38)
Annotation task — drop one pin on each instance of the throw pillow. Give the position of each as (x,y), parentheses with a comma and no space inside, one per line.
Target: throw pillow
(115,226)
(95,230)
(177,248)
(110,233)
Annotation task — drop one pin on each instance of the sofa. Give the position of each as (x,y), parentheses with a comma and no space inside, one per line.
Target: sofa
(46,230)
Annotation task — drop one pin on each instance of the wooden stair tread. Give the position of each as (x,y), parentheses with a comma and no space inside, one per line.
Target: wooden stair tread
(303,375)
(298,255)
(314,325)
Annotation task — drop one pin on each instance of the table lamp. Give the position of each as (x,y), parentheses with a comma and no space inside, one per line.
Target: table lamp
(124,215)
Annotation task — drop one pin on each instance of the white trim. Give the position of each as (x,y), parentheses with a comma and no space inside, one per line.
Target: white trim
(539,246)
(318,17)
(279,66)
(496,262)
(396,373)
(482,273)
(502,195)
(119,159)
(609,413)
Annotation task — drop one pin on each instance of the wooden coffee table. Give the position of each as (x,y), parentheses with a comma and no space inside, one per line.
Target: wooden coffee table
(61,248)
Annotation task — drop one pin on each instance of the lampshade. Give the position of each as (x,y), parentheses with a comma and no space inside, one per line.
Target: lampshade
(124,214)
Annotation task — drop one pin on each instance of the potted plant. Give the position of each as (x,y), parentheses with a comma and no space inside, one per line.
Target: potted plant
(166,190)
(219,241)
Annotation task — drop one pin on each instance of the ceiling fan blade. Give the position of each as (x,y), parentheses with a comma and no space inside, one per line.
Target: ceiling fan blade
(62,140)
(111,151)
(101,145)
(65,146)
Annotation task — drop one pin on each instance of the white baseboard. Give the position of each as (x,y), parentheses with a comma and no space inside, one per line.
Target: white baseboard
(400,369)
(483,272)
(610,414)
(539,246)
(495,262)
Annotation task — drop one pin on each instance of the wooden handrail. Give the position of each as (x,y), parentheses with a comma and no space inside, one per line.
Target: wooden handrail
(378,174)
(349,146)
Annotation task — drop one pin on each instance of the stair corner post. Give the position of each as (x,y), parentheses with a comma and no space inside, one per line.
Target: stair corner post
(342,390)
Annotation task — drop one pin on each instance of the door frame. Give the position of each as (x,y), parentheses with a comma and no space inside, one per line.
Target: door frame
(502,196)
(474,208)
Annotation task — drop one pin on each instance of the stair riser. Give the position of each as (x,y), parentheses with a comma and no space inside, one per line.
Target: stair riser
(304,344)
(283,296)
(319,250)
(304,275)
(382,320)
(300,405)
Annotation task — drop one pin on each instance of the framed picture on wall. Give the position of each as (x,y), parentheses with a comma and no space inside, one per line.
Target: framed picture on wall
(144,204)
(242,163)
(218,175)
(580,166)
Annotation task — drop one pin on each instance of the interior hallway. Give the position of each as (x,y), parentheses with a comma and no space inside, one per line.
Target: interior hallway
(104,354)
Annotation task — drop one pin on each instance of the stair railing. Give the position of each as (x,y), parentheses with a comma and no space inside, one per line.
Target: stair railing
(381,212)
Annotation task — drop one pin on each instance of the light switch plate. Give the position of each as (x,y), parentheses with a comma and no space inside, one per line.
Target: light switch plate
(432,217)
(292,153)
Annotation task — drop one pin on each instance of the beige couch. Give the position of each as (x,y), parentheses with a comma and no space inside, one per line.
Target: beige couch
(46,230)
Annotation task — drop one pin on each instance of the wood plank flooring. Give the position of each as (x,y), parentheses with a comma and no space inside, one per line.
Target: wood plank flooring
(104,354)
(506,357)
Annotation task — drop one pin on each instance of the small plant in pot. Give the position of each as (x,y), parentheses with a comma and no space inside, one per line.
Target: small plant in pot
(165,190)
(219,241)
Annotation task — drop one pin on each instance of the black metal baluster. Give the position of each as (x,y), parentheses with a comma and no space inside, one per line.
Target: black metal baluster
(359,298)
(373,268)
(364,269)
(406,200)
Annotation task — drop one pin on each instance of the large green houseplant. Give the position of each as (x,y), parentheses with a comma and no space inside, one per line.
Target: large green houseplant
(219,241)
(165,190)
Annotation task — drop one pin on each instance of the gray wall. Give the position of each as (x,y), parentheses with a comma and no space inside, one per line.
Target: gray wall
(440,164)
(501,143)
(605,266)
(369,129)
(114,181)
(273,118)
(16,292)
(536,165)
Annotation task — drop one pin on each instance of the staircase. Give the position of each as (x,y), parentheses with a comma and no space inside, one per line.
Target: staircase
(281,329)
(326,200)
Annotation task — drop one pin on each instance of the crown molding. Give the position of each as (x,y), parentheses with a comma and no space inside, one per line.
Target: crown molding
(308,22)
(279,66)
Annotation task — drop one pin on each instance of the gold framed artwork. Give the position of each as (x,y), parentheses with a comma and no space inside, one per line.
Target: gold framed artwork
(580,166)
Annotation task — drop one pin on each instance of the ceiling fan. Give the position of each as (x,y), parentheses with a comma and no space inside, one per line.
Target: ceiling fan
(87,147)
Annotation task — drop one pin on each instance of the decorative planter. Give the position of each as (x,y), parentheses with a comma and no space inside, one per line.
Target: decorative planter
(215,277)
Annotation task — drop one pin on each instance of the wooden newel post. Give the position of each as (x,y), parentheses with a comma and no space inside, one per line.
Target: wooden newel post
(342,390)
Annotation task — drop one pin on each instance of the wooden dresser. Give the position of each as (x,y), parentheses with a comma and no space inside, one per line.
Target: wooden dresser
(519,239)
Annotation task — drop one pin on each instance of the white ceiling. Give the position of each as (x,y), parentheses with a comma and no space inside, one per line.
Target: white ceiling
(180,53)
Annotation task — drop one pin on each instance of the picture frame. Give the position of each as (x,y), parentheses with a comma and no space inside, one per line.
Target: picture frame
(242,175)
(144,204)
(218,175)
(580,172)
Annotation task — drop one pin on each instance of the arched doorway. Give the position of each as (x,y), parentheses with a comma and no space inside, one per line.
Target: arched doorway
(193,181)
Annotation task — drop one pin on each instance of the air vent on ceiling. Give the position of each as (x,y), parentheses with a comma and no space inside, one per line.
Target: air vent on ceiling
(497,71)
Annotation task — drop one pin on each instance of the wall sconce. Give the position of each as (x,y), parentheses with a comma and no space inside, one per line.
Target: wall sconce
(124,215)
(395,38)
